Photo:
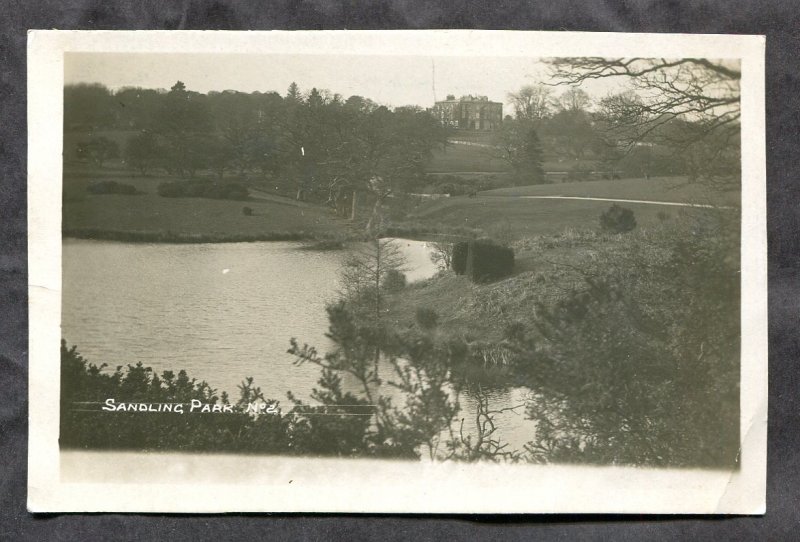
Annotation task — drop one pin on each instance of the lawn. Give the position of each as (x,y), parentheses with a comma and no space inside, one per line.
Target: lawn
(465,158)
(669,189)
(219,219)
(501,212)
(524,217)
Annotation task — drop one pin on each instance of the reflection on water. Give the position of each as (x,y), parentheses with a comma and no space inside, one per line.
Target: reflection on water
(222,312)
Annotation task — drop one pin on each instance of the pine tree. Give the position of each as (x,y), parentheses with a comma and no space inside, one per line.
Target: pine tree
(293,94)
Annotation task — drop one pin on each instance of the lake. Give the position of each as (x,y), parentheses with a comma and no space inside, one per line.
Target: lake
(222,312)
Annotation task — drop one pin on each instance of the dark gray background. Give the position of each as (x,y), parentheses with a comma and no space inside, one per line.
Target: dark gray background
(779,20)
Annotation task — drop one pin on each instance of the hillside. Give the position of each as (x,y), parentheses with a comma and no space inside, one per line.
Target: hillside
(505,213)
(545,267)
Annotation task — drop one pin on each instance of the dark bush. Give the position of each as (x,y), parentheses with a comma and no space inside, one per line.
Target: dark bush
(247,211)
(112,187)
(394,281)
(459,259)
(427,318)
(487,261)
(617,220)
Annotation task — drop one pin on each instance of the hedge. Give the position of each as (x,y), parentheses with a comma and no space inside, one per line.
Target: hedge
(482,261)
(459,259)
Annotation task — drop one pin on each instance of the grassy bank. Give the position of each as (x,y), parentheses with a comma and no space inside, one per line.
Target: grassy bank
(187,238)
(546,267)
(668,189)
(151,218)
(482,311)
(503,213)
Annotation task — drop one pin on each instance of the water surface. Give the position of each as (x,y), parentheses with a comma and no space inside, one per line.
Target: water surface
(222,312)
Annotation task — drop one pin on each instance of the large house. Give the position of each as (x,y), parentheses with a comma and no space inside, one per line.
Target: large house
(469,113)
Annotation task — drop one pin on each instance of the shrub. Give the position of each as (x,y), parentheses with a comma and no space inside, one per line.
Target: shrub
(427,318)
(247,211)
(665,389)
(112,187)
(487,261)
(394,281)
(617,220)
(459,258)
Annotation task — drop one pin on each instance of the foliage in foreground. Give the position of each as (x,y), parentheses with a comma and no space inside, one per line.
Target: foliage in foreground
(412,421)
(640,364)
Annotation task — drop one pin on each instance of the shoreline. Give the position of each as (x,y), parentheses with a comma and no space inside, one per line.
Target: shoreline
(180,238)
(189,238)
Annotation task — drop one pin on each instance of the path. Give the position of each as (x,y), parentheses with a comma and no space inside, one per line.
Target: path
(647,202)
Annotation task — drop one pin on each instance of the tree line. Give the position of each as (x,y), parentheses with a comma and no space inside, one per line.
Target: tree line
(326,145)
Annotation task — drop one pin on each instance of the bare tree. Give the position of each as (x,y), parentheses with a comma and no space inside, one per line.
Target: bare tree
(364,274)
(574,99)
(442,255)
(690,104)
(532,102)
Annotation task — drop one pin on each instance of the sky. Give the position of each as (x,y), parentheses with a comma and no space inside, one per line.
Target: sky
(388,80)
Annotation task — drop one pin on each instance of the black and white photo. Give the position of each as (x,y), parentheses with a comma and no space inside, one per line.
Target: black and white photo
(462,271)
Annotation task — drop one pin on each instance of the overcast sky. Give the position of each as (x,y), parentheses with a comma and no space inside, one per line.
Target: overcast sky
(389,80)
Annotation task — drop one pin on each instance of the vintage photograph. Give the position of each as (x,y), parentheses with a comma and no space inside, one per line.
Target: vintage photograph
(515,260)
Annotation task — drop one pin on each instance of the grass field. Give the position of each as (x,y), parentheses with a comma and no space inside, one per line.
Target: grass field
(87,215)
(498,213)
(465,158)
(669,189)
(501,210)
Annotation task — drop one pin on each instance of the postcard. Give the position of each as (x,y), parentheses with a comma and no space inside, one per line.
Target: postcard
(397,272)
